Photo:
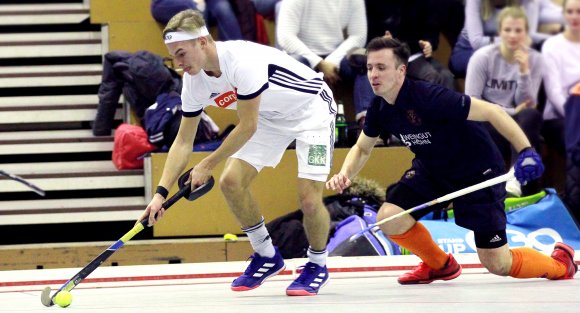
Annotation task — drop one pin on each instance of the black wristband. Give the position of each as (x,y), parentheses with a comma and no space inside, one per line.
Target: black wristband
(162,191)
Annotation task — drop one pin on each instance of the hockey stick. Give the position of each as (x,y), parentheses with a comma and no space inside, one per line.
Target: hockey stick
(45,297)
(23,181)
(490,182)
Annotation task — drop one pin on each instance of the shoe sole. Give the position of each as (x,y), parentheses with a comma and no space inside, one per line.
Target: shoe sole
(304,293)
(245,288)
(417,282)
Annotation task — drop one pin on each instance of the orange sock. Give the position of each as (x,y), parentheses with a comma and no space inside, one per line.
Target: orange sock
(419,242)
(529,263)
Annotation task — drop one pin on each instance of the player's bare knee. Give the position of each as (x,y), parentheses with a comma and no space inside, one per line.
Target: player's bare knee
(229,183)
(394,227)
(496,267)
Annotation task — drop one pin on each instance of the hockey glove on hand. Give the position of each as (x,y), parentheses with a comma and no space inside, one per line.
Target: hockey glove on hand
(528,166)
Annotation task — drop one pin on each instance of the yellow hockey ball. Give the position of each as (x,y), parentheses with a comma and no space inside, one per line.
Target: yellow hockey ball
(230,237)
(63,299)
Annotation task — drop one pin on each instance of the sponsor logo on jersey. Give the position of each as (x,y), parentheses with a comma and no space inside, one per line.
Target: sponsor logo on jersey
(226,99)
(418,139)
(317,155)
(214,94)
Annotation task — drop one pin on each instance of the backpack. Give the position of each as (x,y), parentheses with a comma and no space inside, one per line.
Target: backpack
(162,120)
(287,233)
(159,117)
(131,144)
(372,242)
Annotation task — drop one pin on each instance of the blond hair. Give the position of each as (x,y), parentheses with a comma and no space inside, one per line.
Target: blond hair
(188,21)
(515,12)
(487,8)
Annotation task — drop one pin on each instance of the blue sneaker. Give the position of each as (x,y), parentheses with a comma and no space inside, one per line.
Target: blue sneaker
(312,278)
(260,269)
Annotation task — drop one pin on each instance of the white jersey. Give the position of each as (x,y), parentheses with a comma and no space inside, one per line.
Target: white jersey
(248,70)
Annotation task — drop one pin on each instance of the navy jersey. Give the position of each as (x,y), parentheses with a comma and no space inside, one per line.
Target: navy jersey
(432,121)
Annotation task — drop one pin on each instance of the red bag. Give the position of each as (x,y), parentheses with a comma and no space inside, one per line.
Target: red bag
(131,144)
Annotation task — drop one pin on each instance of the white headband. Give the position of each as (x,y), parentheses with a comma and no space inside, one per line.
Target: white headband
(183,36)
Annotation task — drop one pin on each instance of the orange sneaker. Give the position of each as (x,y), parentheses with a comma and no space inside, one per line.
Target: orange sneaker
(563,253)
(423,274)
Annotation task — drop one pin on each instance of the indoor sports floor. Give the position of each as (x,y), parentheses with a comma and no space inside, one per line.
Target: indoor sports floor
(357,285)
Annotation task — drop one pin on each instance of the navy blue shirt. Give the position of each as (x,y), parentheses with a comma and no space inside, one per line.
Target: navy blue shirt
(432,121)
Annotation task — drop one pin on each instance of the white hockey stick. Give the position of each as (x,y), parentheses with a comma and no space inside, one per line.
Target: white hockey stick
(490,182)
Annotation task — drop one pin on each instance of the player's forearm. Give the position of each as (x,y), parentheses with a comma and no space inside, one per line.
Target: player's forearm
(177,159)
(354,161)
(509,129)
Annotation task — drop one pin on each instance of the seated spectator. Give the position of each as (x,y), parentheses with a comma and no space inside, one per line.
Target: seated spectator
(268,8)
(213,11)
(312,32)
(480,26)
(451,16)
(562,56)
(509,73)
(414,23)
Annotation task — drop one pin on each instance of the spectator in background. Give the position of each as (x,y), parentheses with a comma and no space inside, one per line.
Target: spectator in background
(412,22)
(268,8)
(562,56)
(312,32)
(481,28)
(451,15)
(213,11)
(509,73)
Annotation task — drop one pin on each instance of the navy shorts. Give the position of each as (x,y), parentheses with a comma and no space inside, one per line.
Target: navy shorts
(480,211)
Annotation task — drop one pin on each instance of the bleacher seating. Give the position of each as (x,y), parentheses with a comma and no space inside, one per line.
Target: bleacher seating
(50,70)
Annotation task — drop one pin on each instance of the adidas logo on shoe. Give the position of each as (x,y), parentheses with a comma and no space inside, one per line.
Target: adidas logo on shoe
(495,239)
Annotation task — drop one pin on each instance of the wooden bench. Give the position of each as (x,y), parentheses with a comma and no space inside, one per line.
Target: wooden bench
(139,252)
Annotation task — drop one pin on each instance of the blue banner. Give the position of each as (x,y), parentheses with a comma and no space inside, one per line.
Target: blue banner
(537,226)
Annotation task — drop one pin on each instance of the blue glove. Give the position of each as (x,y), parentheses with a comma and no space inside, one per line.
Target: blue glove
(528,166)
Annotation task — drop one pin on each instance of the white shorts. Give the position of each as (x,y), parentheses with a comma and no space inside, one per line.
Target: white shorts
(313,129)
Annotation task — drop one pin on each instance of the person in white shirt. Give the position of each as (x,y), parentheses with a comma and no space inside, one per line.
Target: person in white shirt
(480,27)
(278,100)
(562,56)
(320,33)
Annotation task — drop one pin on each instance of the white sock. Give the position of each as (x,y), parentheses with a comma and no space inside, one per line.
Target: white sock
(260,239)
(317,257)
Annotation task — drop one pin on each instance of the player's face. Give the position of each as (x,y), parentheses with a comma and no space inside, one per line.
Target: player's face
(572,15)
(187,55)
(383,71)
(513,32)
